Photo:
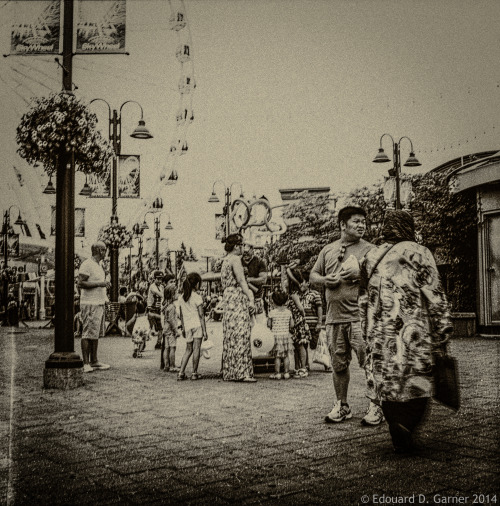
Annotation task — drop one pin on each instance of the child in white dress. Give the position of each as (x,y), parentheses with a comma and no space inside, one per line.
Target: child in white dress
(280,321)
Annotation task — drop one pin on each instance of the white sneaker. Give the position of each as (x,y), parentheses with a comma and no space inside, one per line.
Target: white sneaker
(87,368)
(339,413)
(374,415)
(100,366)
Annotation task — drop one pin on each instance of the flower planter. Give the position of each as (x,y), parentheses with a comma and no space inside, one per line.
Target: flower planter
(464,324)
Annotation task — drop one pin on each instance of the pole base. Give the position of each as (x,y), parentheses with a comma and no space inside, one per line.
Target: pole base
(64,371)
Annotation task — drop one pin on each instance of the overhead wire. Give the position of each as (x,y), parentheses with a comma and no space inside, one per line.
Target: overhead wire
(31,67)
(31,78)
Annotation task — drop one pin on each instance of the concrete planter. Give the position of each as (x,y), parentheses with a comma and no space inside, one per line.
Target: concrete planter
(464,324)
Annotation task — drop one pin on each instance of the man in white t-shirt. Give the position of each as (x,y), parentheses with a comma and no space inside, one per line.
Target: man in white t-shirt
(92,283)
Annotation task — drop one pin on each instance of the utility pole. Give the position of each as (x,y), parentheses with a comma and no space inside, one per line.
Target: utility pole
(64,367)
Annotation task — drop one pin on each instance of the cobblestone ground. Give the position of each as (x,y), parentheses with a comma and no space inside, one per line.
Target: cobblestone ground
(135,435)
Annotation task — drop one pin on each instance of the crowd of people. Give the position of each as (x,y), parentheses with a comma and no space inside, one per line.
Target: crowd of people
(383,303)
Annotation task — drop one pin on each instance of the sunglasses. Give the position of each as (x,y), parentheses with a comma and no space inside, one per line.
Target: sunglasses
(342,253)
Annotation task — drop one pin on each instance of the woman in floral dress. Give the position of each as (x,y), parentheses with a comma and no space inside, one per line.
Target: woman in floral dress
(405,320)
(238,304)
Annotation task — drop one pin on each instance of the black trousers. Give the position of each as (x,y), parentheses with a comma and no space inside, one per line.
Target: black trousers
(403,418)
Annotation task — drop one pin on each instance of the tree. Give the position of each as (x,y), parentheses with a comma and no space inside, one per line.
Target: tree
(315,226)
(446,223)
(183,255)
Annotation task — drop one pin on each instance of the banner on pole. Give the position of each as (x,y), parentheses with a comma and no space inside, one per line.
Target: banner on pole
(79,221)
(129,173)
(12,244)
(100,184)
(100,26)
(36,27)
(220,226)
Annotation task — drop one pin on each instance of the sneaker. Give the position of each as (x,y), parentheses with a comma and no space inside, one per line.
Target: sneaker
(286,376)
(87,368)
(275,376)
(102,367)
(302,373)
(374,415)
(339,413)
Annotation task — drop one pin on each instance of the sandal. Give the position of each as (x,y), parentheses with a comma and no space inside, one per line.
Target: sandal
(181,376)
(248,379)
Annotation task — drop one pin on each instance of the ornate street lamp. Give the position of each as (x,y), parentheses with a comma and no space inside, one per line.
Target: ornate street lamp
(395,172)
(5,232)
(157,219)
(115,136)
(226,210)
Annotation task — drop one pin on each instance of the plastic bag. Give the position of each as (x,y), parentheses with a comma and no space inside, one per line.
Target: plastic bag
(321,354)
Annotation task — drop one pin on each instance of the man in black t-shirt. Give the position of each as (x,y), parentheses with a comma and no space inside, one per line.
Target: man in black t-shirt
(255,270)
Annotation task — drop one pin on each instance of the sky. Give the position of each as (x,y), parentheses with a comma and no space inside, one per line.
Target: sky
(289,94)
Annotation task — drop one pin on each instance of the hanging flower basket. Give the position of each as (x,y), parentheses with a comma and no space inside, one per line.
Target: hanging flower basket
(115,235)
(62,121)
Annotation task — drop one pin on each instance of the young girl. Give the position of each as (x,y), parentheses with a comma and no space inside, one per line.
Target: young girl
(301,335)
(138,326)
(280,321)
(193,323)
(170,331)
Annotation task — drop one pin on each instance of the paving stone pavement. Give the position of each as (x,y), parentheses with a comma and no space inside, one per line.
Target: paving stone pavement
(135,435)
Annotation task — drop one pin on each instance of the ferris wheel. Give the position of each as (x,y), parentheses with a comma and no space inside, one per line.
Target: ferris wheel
(184,116)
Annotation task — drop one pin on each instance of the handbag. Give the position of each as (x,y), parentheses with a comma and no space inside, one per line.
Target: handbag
(446,388)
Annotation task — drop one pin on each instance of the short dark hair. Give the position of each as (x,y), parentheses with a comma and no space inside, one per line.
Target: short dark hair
(168,276)
(231,241)
(279,297)
(347,212)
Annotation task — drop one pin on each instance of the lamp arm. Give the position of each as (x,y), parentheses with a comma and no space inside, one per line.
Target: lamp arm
(132,101)
(102,100)
(218,181)
(411,143)
(231,186)
(388,135)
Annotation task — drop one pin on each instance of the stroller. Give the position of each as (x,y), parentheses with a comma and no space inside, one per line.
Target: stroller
(142,333)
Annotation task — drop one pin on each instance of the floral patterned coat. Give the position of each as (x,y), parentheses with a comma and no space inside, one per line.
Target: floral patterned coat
(404,317)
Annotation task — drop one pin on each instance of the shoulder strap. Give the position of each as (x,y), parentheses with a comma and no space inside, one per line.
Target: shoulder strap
(379,260)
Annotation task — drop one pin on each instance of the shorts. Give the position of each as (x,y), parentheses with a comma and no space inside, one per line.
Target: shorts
(313,343)
(342,338)
(92,317)
(155,321)
(193,334)
(170,340)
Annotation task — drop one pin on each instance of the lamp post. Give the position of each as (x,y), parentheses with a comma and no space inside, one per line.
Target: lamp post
(5,232)
(226,210)
(157,220)
(138,231)
(395,172)
(115,136)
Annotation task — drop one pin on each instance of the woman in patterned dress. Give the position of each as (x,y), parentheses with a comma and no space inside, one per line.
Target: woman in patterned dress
(405,320)
(238,304)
